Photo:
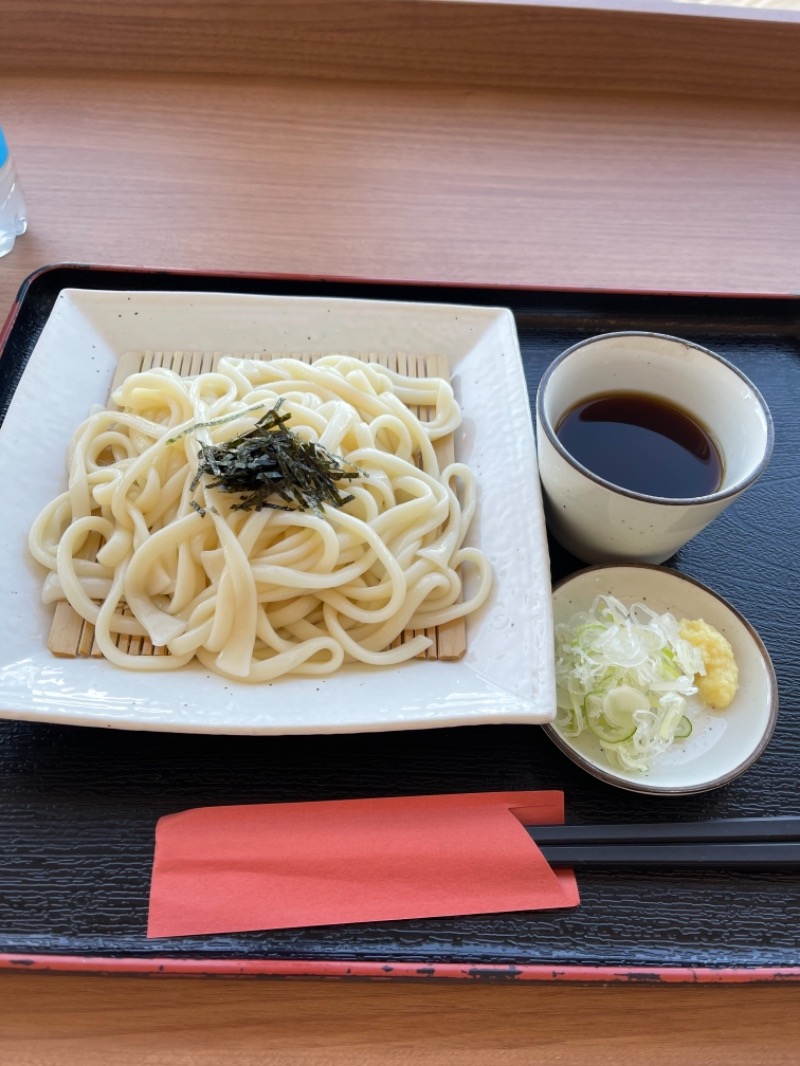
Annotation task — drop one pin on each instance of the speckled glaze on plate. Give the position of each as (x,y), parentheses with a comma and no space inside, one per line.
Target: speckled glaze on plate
(723,744)
(506,675)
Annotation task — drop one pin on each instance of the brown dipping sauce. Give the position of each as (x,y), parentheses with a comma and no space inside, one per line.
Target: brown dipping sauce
(642,443)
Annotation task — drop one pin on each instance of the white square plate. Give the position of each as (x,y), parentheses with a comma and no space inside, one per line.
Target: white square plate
(507,673)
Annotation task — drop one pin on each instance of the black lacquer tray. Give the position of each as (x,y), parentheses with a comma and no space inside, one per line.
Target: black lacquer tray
(78,806)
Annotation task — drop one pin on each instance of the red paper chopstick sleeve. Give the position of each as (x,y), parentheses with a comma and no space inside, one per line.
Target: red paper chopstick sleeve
(284,865)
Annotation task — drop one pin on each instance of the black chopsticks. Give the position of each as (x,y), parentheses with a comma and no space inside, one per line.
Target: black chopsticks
(730,843)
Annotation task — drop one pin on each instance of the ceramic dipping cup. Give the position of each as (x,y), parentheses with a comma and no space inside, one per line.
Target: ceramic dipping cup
(601,522)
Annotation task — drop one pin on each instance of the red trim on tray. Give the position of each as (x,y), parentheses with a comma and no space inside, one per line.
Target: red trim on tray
(345,279)
(391,970)
(348,279)
(5,329)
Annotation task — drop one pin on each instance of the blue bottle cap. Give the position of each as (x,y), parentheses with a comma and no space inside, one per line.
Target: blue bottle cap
(3,149)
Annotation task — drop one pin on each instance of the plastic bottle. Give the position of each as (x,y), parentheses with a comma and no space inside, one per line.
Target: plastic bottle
(13,215)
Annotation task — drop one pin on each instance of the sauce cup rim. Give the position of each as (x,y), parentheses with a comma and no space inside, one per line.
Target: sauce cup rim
(670,501)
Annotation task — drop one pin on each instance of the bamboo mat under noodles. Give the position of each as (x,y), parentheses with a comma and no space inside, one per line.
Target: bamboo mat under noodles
(72,637)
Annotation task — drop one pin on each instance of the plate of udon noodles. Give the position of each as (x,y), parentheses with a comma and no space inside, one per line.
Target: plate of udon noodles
(273,515)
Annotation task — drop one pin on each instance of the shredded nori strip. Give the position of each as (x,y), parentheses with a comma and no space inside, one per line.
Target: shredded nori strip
(270,463)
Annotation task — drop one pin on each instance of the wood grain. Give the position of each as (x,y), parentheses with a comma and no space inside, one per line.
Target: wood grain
(93,1021)
(523,44)
(566,190)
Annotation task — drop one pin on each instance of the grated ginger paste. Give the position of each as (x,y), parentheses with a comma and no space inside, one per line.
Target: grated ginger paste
(719,684)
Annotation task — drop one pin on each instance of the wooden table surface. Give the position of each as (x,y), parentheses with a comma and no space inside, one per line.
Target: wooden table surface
(455,184)
(407,182)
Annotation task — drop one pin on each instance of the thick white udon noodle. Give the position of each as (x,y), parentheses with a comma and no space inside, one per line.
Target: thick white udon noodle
(255,595)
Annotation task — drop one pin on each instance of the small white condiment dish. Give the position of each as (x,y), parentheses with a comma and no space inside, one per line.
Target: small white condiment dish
(599,521)
(723,744)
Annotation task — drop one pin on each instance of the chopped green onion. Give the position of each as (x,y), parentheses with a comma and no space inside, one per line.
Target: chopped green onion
(626,675)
